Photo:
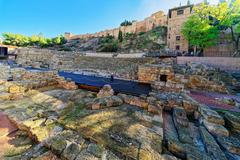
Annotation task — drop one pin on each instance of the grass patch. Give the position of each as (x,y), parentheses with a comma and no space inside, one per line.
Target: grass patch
(72,113)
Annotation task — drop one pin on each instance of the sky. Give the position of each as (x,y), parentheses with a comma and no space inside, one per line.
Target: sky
(54,17)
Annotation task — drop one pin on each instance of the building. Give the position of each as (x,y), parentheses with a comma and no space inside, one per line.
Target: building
(176,18)
(174,22)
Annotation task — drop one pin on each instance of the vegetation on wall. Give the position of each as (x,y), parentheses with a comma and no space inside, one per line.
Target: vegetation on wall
(202,29)
(126,23)
(35,40)
(153,40)
(108,44)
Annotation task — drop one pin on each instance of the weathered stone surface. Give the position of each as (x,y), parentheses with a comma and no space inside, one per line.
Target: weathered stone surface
(232,122)
(16,89)
(95,149)
(189,104)
(231,144)
(71,151)
(106,102)
(57,144)
(212,148)
(182,125)
(211,115)
(106,91)
(85,155)
(216,129)
(193,153)
(118,129)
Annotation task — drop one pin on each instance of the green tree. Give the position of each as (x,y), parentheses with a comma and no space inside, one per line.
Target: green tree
(35,40)
(231,20)
(198,29)
(120,36)
(126,23)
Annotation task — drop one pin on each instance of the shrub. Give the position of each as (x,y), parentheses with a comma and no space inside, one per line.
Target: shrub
(35,40)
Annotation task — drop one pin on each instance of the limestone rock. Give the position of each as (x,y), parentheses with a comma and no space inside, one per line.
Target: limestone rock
(232,122)
(106,91)
(182,125)
(95,149)
(212,148)
(106,102)
(16,89)
(231,144)
(57,144)
(71,151)
(85,155)
(211,115)
(216,129)
(168,157)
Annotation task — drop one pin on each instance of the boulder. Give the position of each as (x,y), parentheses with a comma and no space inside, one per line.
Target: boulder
(106,91)
(106,102)
(216,129)
(14,89)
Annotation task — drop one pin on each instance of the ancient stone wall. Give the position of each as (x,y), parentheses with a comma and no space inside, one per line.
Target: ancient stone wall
(223,63)
(167,77)
(155,20)
(126,68)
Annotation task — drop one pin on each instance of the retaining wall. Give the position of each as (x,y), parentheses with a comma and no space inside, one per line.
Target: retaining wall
(126,68)
(223,63)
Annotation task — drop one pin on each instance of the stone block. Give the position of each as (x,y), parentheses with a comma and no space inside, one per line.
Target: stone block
(216,129)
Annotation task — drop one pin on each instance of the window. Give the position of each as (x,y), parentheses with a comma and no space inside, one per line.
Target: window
(178,47)
(178,38)
(180,12)
(169,36)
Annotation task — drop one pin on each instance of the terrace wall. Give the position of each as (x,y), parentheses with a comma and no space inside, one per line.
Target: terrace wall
(223,63)
(126,68)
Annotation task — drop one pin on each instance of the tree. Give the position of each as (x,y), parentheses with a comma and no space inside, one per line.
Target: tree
(35,40)
(231,20)
(120,36)
(198,29)
(126,23)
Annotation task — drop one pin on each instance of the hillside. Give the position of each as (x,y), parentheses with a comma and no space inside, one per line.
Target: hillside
(154,40)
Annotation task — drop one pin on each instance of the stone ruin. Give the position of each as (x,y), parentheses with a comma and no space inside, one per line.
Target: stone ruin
(167,76)
(65,122)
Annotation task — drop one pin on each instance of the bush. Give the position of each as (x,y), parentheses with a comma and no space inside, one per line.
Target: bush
(126,23)
(35,40)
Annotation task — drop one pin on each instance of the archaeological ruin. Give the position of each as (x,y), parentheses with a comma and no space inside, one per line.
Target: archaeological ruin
(55,105)
(127,93)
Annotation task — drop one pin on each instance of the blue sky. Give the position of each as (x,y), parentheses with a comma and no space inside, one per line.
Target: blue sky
(54,17)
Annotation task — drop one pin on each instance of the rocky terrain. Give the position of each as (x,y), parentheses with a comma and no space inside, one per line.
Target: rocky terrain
(47,117)
(153,40)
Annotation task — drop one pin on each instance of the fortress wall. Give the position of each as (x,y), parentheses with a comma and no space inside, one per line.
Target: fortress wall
(155,20)
(126,68)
